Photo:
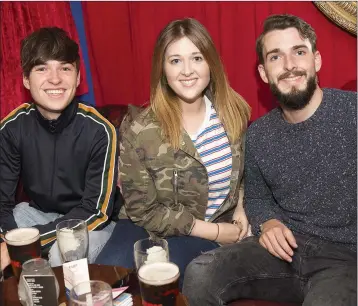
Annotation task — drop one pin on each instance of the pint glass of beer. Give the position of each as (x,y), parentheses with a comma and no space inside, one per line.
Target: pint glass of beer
(23,244)
(159,283)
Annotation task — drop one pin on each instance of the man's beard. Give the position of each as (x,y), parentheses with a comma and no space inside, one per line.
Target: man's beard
(295,99)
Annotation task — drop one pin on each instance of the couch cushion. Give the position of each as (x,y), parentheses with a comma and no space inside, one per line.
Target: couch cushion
(114,113)
(260,303)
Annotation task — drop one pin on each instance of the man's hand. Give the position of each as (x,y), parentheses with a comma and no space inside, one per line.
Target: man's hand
(4,259)
(278,239)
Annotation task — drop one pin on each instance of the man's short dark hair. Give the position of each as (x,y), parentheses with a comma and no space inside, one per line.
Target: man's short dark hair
(48,44)
(282,22)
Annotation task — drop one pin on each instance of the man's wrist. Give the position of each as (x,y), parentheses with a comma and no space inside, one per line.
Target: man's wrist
(264,224)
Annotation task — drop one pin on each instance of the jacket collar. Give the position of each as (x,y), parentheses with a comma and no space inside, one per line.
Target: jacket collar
(57,125)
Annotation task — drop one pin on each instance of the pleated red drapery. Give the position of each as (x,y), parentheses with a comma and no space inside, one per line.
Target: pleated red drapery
(121,37)
(17,20)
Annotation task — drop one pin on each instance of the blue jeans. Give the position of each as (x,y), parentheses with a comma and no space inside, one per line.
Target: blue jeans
(119,249)
(321,274)
(27,216)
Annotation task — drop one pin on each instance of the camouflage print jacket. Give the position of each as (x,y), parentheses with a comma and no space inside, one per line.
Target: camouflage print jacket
(164,190)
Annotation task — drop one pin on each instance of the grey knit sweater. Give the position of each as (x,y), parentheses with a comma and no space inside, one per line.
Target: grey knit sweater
(305,174)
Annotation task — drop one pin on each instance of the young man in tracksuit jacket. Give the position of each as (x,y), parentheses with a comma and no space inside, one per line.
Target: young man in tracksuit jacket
(64,152)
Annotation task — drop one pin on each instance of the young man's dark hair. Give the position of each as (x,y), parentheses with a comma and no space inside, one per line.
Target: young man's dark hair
(282,22)
(48,44)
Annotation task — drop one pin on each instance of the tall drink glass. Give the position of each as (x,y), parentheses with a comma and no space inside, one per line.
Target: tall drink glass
(23,244)
(72,239)
(150,250)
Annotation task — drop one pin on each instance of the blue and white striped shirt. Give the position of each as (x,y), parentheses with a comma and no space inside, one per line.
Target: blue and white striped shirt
(213,146)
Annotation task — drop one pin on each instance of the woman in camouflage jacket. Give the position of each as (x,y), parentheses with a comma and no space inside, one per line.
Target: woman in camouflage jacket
(165,180)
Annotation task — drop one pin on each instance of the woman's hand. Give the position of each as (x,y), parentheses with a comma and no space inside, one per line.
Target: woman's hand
(228,233)
(4,259)
(241,219)
(223,233)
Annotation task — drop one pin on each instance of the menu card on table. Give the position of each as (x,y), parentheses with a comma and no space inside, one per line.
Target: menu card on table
(42,289)
(75,272)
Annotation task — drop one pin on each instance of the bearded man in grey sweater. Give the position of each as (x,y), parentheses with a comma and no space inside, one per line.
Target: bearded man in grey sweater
(300,188)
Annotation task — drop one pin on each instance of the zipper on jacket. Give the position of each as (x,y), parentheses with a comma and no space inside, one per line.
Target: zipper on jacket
(175,186)
(53,165)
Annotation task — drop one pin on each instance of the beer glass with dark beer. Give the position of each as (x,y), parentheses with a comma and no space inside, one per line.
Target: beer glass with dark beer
(159,283)
(23,244)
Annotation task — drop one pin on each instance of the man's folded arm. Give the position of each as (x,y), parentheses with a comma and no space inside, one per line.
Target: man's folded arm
(260,205)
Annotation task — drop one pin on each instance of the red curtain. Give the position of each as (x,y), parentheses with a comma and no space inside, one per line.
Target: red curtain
(17,20)
(121,37)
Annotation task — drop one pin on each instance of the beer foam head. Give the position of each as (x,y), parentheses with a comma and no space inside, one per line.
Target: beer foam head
(22,236)
(158,273)
(156,254)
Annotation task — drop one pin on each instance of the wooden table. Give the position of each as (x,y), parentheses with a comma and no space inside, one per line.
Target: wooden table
(108,274)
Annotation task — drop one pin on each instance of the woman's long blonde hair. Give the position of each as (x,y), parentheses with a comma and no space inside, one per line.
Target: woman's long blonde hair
(232,109)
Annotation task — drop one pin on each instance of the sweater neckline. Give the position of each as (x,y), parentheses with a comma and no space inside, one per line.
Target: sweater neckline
(317,114)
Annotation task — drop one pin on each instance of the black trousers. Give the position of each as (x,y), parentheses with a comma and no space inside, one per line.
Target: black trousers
(321,274)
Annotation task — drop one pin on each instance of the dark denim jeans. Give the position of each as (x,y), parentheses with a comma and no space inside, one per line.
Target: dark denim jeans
(321,274)
(119,248)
